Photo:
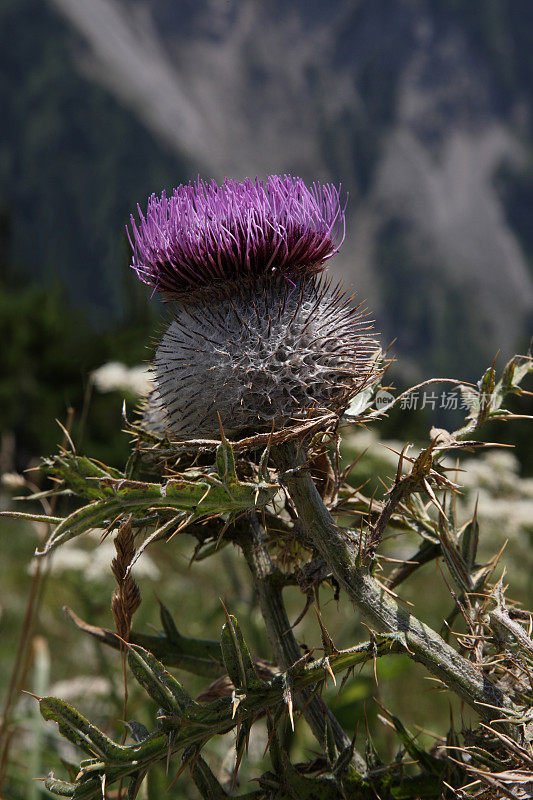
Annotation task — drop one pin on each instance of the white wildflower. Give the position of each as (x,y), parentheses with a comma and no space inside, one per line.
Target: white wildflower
(117,377)
(95,564)
(81,686)
(13,481)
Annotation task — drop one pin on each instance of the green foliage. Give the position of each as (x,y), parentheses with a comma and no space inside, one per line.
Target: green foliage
(199,493)
(300,538)
(181,722)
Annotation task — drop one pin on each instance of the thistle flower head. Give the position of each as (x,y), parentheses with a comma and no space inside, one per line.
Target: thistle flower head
(207,234)
(262,352)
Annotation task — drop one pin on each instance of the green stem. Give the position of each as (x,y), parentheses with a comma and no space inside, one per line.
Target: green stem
(339,549)
(282,639)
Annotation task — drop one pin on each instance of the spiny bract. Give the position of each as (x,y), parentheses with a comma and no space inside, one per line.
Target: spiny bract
(269,350)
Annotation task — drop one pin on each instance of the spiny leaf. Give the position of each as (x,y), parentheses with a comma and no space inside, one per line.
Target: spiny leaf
(508,374)
(160,684)
(80,474)
(169,626)
(241,745)
(432,765)
(327,641)
(226,463)
(135,783)
(201,497)
(343,765)
(118,762)
(372,757)
(275,751)
(206,783)
(470,541)
(81,732)
(199,656)
(453,557)
(60,788)
(138,731)
(239,664)
(329,742)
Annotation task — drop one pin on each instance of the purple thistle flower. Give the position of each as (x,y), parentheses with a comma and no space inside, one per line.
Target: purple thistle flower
(207,234)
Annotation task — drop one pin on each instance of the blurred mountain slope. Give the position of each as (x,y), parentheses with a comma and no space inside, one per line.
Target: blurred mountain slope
(422,109)
(73,161)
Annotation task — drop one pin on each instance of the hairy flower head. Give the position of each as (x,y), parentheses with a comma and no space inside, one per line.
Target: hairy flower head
(263,352)
(207,234)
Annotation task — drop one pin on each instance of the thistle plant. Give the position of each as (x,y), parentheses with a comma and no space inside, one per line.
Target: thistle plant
(262,363)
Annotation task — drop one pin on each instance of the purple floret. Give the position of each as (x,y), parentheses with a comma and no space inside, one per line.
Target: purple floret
(206,234)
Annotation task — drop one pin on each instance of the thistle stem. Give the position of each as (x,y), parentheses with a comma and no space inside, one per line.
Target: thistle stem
(282,639)
(338,548)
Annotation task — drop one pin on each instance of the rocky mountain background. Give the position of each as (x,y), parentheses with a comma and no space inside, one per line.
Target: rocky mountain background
(423,109)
